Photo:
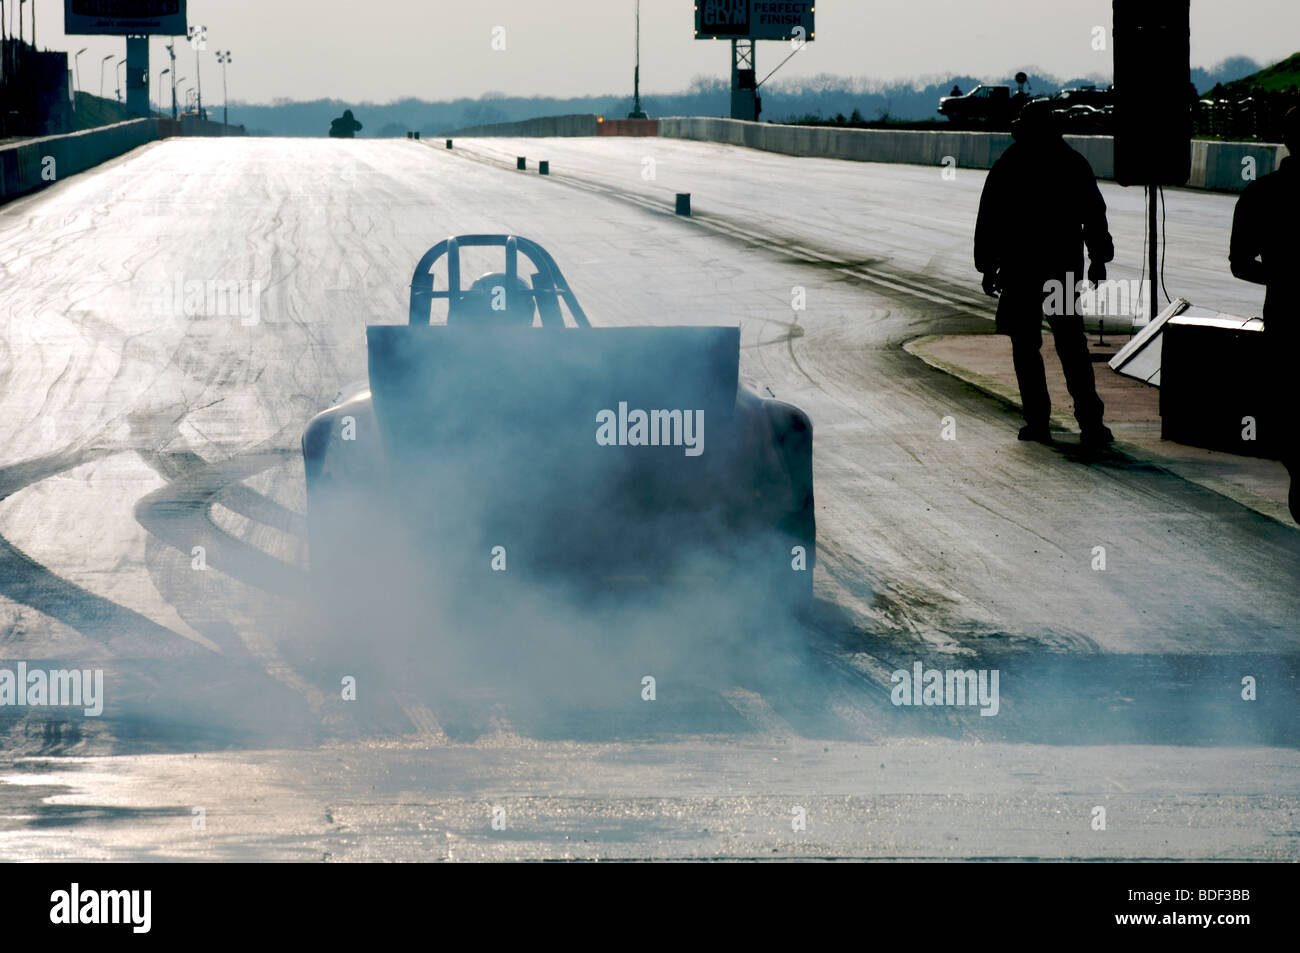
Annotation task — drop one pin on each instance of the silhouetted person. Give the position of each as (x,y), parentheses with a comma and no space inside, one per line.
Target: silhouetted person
(956,90)
(1040,207)
(345,127)
(1265,249)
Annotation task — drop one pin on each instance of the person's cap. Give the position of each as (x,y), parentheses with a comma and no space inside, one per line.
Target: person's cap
(1037,118)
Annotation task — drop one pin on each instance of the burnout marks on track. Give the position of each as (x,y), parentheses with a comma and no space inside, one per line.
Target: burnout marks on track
(26,582)
(179,515)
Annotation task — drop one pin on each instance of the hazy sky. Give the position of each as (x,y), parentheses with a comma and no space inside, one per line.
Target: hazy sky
(381,50)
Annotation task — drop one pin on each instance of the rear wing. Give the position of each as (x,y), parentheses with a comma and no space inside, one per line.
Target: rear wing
(427,379)
(440,382)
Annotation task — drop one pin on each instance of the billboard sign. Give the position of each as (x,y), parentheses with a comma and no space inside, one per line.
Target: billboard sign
(123,17)
(754,19)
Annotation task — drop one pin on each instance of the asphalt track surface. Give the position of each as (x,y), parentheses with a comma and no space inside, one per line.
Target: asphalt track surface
(127,437)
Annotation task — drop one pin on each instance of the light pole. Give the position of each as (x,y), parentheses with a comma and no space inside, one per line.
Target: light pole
(117,75)
(198,37)
(171,53)
(176,81)
(76,66)
(101,74)
(636,75)
(160,76)
(224,60)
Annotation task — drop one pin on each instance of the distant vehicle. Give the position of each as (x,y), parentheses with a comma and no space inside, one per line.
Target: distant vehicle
(1084,96)
(1083,120)
(990,105)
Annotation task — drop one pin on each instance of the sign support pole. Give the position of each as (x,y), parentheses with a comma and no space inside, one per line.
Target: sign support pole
(137,75)
(637,111)
(744,94)
(744,23)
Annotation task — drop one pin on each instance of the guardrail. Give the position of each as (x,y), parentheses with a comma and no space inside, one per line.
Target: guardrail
(32,164)
(193,126)
(628,127)
(1229,166)
(544,127)
(1222,166)
(974,150)
(1219,166)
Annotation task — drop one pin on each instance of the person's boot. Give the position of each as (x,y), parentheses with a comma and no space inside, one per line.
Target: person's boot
(1097,437)
(1039,433)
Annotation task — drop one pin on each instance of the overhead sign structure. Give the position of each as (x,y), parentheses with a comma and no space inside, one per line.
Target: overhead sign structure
(754,20)
(124,17)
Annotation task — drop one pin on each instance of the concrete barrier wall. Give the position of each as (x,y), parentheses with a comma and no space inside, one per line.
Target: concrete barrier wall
(971,150)
(577,125)
(193,126)
(628,127)
(35,163)
(1215,165)
(1221,165)
(1099,151)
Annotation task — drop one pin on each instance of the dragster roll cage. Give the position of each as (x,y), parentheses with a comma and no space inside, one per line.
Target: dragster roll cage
(549,284)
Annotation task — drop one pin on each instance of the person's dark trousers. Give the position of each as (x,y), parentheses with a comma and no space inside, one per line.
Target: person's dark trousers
(1283,410)
(1027,356)
(1282,414)
(1072,348)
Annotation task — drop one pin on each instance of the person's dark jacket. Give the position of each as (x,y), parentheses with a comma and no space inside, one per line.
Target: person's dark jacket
(1040,207)
(1265,245)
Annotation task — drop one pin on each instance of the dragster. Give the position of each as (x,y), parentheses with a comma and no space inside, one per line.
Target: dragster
(512,443)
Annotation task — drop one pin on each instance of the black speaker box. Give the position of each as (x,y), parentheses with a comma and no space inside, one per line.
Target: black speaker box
(1154,97)
(1214,375)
